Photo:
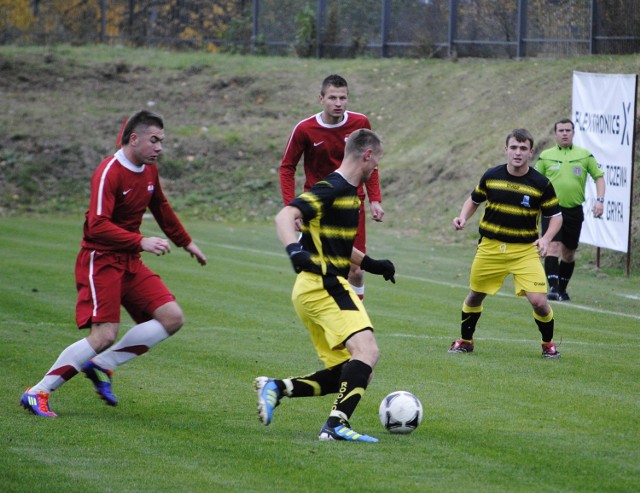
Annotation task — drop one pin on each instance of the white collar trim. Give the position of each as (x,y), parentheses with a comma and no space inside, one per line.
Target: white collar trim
(345,178)
(124,161)
(332,125)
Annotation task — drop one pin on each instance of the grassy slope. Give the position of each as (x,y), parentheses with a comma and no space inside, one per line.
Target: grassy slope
(229,117)
(500,420)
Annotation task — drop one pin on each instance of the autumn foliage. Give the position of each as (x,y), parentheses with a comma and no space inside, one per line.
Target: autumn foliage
(331,27)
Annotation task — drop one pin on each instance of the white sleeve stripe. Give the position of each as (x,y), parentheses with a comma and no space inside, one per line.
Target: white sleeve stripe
(101,188)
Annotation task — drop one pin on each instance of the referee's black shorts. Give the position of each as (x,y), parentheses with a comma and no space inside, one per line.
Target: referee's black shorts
(569,234)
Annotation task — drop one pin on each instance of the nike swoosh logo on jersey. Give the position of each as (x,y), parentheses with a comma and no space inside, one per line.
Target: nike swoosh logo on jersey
(316,144)
(127,191)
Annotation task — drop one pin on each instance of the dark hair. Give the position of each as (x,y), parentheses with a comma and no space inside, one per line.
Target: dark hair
(140,121)
(360,140)
(333,80)
(521,135)
(564,120)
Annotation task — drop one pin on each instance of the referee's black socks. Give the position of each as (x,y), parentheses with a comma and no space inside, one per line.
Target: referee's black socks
(565,271)
(551,270)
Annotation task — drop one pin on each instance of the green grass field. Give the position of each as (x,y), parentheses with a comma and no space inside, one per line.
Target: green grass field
(501,420)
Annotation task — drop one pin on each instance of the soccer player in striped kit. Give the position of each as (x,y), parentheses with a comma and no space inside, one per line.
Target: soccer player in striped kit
(515,195)
(334,315)
(320,139)
(109,271)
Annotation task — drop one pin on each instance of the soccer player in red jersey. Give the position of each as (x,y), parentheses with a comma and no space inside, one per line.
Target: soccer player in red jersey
(321,139)
(109,271)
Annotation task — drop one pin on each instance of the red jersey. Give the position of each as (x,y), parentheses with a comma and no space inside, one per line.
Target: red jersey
(121,192)
(323,147)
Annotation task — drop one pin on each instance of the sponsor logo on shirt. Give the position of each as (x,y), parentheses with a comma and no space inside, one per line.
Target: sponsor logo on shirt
(150,188)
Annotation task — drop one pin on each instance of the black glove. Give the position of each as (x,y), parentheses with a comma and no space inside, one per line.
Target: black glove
(384,268)
(300,258)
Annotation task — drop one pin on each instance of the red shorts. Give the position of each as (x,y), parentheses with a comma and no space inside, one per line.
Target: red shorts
(360,241)
(106,280)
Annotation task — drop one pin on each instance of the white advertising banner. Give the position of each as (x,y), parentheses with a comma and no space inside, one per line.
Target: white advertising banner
(603,109)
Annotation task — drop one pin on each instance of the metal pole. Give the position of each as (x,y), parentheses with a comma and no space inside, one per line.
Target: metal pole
(255,13)
(593,31)
(453,20)
(384,28)
(322,9)
(633,159)
(103,21)
(521,51)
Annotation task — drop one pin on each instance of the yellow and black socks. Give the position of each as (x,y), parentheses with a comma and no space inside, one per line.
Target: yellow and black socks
(322,382)
(545,325)
(470,316)
(353,384)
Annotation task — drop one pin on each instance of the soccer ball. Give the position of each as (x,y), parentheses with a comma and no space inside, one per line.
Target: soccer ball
(400,412)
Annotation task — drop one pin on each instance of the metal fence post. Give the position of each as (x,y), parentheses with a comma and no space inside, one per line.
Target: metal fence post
(322,9)
(521,50)
(255,12)
(453,21)
(103,21)
(384,28)
(593,31)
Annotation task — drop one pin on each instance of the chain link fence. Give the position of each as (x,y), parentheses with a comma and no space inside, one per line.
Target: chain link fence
(337,28)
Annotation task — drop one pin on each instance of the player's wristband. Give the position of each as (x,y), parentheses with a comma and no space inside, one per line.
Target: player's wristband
(293,248)
(600,199)
(300,258)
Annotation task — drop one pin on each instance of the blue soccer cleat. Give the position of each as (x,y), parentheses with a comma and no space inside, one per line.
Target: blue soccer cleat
(268,398)
(343,432)
(101,379)
(37,403)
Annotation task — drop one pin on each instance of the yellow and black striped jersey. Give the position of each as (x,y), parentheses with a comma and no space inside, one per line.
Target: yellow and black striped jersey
(330,212)
(514,204)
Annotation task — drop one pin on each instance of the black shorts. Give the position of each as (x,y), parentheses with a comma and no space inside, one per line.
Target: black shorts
(569,234)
